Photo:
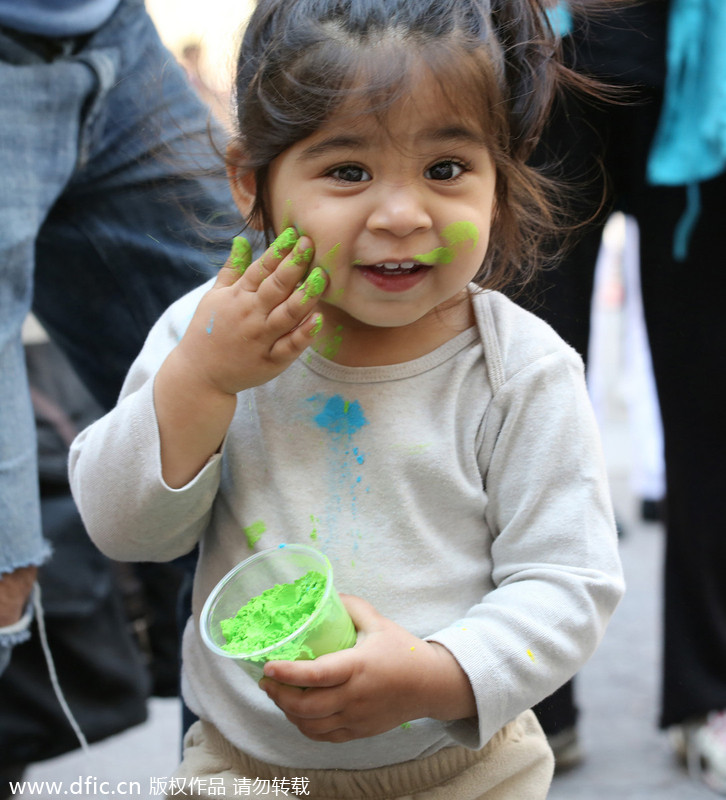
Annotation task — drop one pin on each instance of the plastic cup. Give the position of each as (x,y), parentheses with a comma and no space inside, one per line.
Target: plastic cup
(327,629)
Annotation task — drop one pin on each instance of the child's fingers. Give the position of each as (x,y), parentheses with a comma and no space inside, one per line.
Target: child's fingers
(289,346)
(279,287)
(289,308)
(240,257)
(258,271)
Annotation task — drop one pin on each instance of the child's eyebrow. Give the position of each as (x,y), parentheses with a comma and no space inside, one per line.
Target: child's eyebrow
(339,142)
(452,133)
(448,134)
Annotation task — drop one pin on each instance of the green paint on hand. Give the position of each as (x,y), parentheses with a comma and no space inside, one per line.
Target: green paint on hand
(314,284)
(455,235)
(405,725)
(314,531)
(241,255)
(317,326)
(284,242)
(300,257)
(254,532)
(274,615)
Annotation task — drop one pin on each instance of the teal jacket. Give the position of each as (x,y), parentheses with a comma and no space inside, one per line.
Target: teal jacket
(690,141)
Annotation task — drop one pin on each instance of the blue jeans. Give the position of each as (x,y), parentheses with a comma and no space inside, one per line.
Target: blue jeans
(103,145)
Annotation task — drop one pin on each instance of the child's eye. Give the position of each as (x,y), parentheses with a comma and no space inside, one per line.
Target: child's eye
(350,173)
(445,170)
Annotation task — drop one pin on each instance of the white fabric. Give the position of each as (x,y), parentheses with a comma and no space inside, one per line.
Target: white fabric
(463,494)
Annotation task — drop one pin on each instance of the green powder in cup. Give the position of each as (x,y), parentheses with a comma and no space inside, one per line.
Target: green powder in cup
(273,615)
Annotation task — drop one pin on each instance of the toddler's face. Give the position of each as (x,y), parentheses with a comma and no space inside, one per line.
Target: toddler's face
(400,213)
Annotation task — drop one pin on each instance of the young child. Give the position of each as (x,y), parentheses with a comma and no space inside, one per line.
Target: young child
(355,389)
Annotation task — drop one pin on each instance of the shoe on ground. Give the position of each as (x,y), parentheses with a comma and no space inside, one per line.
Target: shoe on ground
(566,748)
(701,745)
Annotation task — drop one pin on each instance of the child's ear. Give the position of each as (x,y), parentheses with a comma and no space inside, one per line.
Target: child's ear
(242,184)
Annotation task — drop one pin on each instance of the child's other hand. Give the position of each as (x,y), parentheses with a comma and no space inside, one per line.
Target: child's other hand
(254,322)
(389,678)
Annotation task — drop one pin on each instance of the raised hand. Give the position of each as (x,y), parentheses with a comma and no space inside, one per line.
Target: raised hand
(254,322)
(389,678)
(249,327)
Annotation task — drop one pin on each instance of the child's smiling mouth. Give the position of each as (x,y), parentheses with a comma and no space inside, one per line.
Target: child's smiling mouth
(394,276)
(395,267)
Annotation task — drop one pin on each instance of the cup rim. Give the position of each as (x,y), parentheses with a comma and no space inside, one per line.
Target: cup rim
(222,583)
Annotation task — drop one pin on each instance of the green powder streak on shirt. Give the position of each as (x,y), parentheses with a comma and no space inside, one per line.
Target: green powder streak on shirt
(254,532)
(273,615)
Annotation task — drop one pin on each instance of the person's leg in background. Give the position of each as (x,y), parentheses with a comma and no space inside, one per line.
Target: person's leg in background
(40,102)
(131,232)
(147,217)
(684,311)
(99,223)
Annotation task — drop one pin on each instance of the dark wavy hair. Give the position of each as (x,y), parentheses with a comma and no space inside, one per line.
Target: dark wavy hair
(497,61)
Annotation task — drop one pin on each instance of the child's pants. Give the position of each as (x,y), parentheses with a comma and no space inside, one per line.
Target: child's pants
(516,764)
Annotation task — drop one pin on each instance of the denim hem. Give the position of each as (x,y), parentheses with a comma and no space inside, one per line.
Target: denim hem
(37,560)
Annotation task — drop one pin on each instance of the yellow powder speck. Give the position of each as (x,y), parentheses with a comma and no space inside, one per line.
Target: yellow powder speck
(530,654)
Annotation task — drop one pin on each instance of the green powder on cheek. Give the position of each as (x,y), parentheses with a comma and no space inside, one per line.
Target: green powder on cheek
(441,255)
(329,347)
(455,235)
(327,262)
(461,232)
(287,218)
(274,615)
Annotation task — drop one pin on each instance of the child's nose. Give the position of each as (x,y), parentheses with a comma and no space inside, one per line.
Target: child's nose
(400,211)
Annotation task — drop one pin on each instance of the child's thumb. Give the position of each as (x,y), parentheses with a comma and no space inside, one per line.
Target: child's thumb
(364,615)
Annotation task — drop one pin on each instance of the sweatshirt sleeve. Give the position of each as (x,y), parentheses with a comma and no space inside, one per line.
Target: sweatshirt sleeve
(556,568)
(115,465)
